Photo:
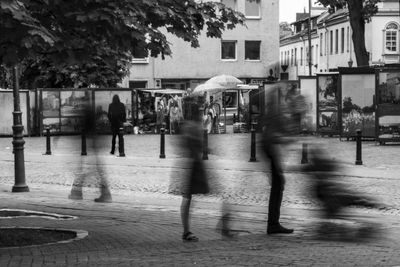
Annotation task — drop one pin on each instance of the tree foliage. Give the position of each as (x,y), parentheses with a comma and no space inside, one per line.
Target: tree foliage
(360,12)
(285,29)
(82,38)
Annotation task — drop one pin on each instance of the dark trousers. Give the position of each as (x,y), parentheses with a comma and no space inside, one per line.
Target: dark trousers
(115,133)
(277,185)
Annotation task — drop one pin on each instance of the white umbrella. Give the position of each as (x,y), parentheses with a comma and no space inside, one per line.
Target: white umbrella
(208,87)
(228,81)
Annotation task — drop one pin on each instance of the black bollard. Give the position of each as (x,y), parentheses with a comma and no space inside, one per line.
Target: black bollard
(358,152)
(304,154)
(48,148)
(253,144)
(84,151)
(162,145)
(121,144)
(205,145)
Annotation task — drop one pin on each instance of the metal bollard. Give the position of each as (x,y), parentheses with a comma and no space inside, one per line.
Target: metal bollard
(253,144)
(205,145)
(48,146)
(84,151)
(121,144)
(162,143)
(358,149)
(304,154)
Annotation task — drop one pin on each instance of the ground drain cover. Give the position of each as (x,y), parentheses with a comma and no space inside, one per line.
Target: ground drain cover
(32,236)
(13,213)
(29,236)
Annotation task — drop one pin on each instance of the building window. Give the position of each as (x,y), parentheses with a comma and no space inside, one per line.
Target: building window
(331,43)
(140,55)
(348,39)
(391,37)
(228,50)
(320,43)
(252,50)
(316,55)
(229,3)
(336,41)
(311,59)
(295,56)
(291,58)
(342,41)
(252,9)
(301,56)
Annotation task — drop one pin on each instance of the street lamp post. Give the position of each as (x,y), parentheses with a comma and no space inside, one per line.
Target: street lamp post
(18,141)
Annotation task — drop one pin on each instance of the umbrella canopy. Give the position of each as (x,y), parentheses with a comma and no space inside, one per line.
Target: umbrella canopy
(227,81)
(208,87)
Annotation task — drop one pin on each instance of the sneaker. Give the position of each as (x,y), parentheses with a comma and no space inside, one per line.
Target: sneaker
(278,229)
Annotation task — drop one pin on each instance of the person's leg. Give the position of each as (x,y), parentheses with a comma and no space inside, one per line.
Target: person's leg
(121,144)
(276,194)
(114,136)
(185,217)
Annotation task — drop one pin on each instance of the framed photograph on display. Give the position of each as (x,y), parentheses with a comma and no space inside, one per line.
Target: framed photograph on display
(327,104)
(7,105)
(50,103)
(74,103)
(308,89)
(357,102)
(388,106)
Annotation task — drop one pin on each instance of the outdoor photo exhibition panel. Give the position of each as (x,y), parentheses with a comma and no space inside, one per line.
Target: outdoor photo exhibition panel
(388,105)
(6,117)
(50,109)
(308,89)
(103,98)
(64,110)
(327,104)
(357,104)
(73,108)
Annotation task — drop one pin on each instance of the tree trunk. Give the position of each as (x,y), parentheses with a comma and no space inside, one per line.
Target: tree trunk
(357,24)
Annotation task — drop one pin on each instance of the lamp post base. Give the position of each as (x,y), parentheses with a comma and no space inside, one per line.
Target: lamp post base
(20,188)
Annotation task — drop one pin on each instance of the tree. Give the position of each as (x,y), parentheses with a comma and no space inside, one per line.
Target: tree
(81,37)
(360,12)
(285,29)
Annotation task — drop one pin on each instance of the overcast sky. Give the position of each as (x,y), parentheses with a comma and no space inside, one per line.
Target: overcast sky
(289,8)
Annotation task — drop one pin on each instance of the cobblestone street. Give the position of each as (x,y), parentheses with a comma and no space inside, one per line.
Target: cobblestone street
(142,225)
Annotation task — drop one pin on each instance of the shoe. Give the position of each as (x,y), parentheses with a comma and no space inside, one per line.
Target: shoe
(278,229)
(104,199)
(189,237)
(112,152)
(75,195)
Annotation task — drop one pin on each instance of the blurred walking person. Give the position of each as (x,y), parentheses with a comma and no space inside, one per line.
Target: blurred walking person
(117,117)
(196,180)
(82,176)
(277,125)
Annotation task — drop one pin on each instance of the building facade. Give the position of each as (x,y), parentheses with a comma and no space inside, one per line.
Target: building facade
(249,52)
(332,44)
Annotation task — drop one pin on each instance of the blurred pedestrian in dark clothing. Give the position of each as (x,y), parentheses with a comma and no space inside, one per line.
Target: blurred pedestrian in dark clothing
(277,124)
(196,181)
(82,176)
(117,117)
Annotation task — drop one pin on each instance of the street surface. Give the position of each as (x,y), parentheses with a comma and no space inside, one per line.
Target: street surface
(142,225)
